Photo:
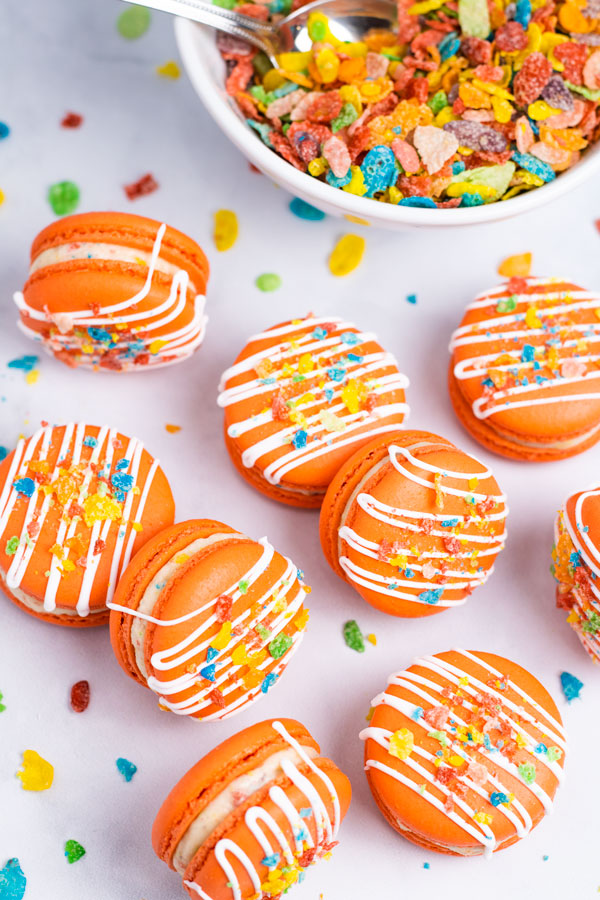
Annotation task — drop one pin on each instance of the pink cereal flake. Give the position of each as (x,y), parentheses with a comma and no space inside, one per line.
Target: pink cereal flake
(478,115)
(377,65)
(554,156)
(572,368)
(591,72)
(491,74)
(437,716)
(568,119)
(435,146)
(406,155)
(477,773)
(524,135)
(283,105)
(336,154)
(300,110)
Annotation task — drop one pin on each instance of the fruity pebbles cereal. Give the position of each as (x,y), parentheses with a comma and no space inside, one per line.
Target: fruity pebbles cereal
(466,103)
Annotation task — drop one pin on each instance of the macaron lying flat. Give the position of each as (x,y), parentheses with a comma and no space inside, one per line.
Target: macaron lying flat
(114,291)
(413,523)
(464,752)
(576,566)
(253,814)
(207,618)
(76,501)
(301,398)
(525,370)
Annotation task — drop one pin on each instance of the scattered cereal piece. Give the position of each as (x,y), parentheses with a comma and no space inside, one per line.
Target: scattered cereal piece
(280,645)
(402,743)
(73,851)
(353,636)
(147,184)
(80,696)
(571,686)
(32,377)
(63,197)
(172,429)
(4,131)
(36,774)
(347,254)
(126,768)
(411,298)
(304,210)
(518,266)
(372,639)
(225,230)
(2,706)
(26,363)
(134,22)
(170,69)
(71,120)
(12,881)
(3,452)
(268,281)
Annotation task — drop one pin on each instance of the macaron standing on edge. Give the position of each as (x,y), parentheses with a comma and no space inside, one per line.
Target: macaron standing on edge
(576,566)
(114,291)
(207,618)
(250,817)
(464,752)
(413,523)
(76,502)
(524,375)
(301,398)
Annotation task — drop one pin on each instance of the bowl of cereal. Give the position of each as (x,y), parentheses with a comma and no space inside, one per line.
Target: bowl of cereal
(452,120)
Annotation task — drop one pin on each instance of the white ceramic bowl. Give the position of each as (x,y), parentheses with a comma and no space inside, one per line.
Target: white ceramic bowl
(206,70)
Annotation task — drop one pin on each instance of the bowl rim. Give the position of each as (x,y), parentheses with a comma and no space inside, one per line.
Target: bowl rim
(324,195)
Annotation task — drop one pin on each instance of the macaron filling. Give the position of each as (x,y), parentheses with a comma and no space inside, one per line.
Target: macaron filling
(37,606)
(233,795)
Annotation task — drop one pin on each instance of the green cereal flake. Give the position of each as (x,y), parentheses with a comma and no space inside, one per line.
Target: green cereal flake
(554,754)
(588,93)
(263,633)
(347,116)
(527,772)
(134,22)
(353,636)
(269,281)
(63,197)
(73,851)
(496,177)
(11,545)
(592,626)
(243,587)
(507,304)
(2,706)
(280,645)
(474,18)
(438,102)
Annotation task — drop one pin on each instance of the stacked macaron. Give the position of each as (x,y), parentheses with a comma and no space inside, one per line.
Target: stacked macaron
(114,291)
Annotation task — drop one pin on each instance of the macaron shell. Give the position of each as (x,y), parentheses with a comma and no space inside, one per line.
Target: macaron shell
(140,573)
(316,472)
(75,621)
(536,422)
(205,870)
(512,447)
(158,512)
(587,522)
(413,815)
(236,756)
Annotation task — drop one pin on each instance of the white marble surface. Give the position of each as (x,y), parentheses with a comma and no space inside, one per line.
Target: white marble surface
(67,56)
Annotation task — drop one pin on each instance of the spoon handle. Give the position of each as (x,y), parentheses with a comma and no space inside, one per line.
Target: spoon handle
(259,34)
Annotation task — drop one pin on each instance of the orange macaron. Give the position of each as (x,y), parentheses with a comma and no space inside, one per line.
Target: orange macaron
(576,566)
(301,398)
(250,817)
(413,523)
(464,752)
(76,501)
(207,618)
(114,291)
(525,370)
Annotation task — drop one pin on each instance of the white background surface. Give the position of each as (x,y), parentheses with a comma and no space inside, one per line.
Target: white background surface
(67,56)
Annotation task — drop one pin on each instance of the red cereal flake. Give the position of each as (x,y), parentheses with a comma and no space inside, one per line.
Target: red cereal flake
(531,79)
(307,147)
(451,544)
(240,76)
(426,525)
(359,142)
(297,130)
(387,549)
(489,73)
(415,185)
(248,106)
(510,37)
(573,57)
(99,546)
(458,107)
(147,184)
(477,51)
(223,607)
(283,146)
(279,408)
(419,89)
(307,857)
(370,402)
(217,698)
(325,107)
(254,10)
(71,120)
(80,696)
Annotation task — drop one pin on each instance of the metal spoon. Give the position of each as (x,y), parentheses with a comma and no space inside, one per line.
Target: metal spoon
(349,20)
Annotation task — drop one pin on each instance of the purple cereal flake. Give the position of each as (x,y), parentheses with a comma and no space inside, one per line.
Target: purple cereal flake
(592,40)
(477,136)
(227,43)
(557,94)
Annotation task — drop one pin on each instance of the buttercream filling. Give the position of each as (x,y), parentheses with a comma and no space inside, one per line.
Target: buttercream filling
(236,793)
(550,445)
(37,606)
(151,595)
(110,252)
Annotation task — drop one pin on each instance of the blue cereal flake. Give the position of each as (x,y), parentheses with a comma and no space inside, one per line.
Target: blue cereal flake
(426,866)
(523,12)
(209,672)
(571,686)
(299,439)
(90,441)
(304,210)
(575,559)
(25,363)
(24,486)
(102,335)
(336,182)
(432,597)
(449,46)
(121,464)
(379,169)
(4,131)
(3,452)
(528,353)
(336,373)
(271,861)
(534,165)
(350,337)
(411,298)
(122,481)
(126,768)
(449,523)
(306,812)
(211,653)
(263,130)
(417,713)
(423,202)
(319,334)
(268,682)
(12,881)
(498,797)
